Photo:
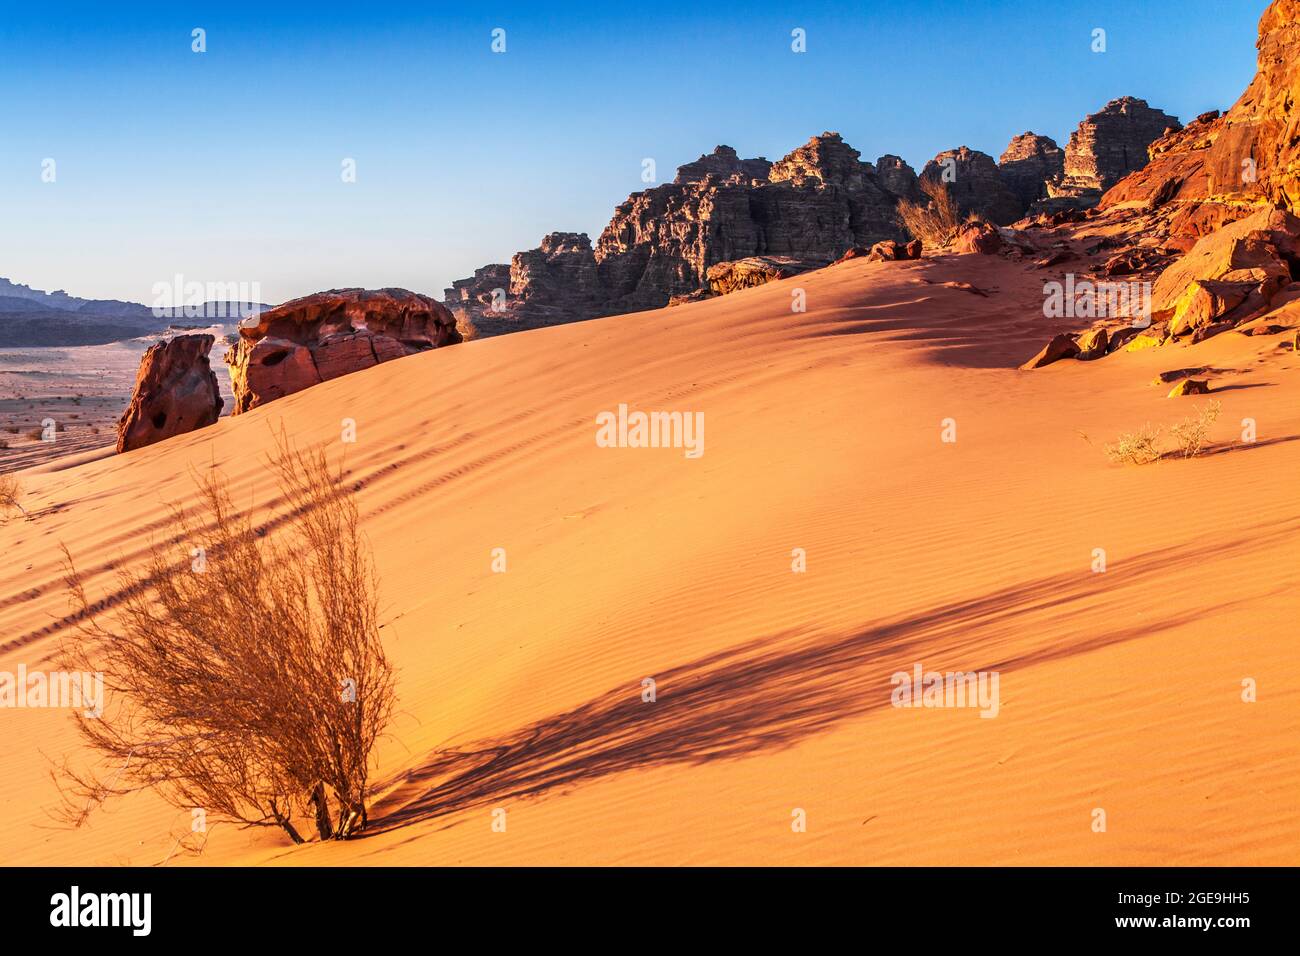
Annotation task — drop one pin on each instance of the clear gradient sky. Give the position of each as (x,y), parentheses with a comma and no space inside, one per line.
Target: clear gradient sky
(225,166)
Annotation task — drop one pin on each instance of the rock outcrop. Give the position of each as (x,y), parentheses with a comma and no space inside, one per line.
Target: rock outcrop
(976,184)
(724,164)
(1027,164)
(809,207)
(323,336)
(1257,256)
(898,178)
(554,283)
(175,392)
(1221,168)
(481,298)
(726,277)
(1256,156)
(978,236)
(1107,146)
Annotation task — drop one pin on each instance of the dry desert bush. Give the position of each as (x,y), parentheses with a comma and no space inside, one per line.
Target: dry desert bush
(243,670)
(1136,448)
(11,490)
(935,221)
(1189,439)
(1191,433)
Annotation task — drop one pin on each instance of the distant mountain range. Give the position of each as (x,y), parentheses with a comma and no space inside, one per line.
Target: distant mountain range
(32,317)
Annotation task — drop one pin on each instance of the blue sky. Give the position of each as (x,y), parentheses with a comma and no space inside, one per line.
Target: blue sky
(225,166)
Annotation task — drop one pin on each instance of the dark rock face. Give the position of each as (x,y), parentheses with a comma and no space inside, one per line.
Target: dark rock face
(898,178)
(1107,146)
(724,164)
(175,392)
(477,299)
(554,283)
(1028,162)
(817,202)
(809,207)
(328,334)
(975,183)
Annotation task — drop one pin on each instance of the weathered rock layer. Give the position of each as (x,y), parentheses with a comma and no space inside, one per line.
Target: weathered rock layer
(322,336)
(175,392)
(809,207)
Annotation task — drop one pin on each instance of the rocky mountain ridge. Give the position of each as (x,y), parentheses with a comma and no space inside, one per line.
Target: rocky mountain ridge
(807,209)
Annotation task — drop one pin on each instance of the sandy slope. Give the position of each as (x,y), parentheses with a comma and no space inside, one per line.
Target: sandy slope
(522,690)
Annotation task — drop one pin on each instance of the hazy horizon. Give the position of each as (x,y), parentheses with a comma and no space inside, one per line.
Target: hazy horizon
(225,166)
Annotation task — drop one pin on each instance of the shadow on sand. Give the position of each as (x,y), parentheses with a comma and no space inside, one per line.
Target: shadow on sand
(772,692)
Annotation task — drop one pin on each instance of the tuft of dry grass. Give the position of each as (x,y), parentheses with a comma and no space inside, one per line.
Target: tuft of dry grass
(1191,433)
(1190,438)
(1136,448)
(243,670)
(11,490)
(934,221)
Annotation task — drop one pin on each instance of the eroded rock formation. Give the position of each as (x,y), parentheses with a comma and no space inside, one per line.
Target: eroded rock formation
(723,163)
(726,277)
(1107,146)
(175,392)
(976,184)
(1027,164)
(809,207)
(322,336)
(898,178)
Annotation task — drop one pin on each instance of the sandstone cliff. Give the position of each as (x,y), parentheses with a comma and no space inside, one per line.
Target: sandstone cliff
(809,207)
(976,184)
(1107,146)
(1027,164)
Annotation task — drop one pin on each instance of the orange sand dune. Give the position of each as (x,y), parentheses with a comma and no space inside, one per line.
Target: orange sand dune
(1118,690)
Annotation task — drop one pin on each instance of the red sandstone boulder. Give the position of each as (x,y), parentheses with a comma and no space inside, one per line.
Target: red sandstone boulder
(323,336)
(175,392)
(1257,250)
(979,237)
(726,277)
(1206,302)
(891,251)
(1190,386)
(1062,346)
(1093,344)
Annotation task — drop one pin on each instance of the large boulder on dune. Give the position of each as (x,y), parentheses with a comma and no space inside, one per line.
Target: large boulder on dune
(323,336)
(977,236)
(1259,251)
(1062,346)
(726,277)
(175,392)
